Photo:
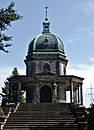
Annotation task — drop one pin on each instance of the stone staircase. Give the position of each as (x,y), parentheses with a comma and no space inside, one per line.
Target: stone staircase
(48,116)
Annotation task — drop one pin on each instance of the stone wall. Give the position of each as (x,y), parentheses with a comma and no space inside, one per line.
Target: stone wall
(36,67)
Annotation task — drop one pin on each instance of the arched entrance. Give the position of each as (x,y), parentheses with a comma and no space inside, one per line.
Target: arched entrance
(45,94)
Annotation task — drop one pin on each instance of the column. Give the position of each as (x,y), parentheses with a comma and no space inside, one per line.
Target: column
(71,92)
(74,95)
(16,93)
(54,92)
(19,91)
(81,93)
(78,94)
(37,94)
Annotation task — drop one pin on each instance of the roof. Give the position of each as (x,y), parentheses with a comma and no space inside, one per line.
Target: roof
(46,41)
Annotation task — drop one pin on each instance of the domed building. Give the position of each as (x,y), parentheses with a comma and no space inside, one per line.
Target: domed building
(46,85)
(46,57)
(46,54)
(46,72)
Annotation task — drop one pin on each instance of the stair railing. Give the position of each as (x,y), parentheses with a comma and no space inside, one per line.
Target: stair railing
(9,112)
(5,120)
(16,107)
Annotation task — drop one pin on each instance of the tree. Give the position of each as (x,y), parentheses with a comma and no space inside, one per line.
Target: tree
(7,16)
(14,72)
(5,93)
(89,115)
(5,90)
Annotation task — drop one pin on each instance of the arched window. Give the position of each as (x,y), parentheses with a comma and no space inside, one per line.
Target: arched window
(46,67)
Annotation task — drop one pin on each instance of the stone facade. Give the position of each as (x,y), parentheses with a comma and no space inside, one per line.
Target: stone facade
(49,88)
(46,80)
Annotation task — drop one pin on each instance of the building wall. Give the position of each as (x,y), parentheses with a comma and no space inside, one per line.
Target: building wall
(40,66)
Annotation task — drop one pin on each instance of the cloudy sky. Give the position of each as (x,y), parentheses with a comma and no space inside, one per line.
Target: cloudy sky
(71,20)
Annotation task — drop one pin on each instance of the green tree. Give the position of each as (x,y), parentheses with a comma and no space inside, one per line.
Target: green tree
(7,16)
(7,89)
(5,93)
(14,72)
(89,115)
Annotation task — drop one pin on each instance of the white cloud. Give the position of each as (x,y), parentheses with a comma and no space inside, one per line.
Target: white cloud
(83,70)
(92,59)
(80,34)
(87,7)
(73,38)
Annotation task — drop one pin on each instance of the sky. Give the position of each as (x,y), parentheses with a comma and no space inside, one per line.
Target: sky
(71,20)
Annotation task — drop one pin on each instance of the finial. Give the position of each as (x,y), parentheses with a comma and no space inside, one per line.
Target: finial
(46,10)
(46,23)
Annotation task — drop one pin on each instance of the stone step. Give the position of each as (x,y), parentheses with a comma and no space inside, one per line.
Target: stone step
(41,120)
(42,128)
(48,110)
(40,106)
(40,123)
(41,117)
(57,113)
(45,124)
(54,116)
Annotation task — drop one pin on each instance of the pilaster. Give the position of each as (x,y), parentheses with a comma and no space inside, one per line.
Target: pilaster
(54,93)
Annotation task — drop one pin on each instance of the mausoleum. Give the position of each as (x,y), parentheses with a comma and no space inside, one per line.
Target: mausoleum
(46,85)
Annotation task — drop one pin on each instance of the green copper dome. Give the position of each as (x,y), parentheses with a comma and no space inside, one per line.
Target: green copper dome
(46,42)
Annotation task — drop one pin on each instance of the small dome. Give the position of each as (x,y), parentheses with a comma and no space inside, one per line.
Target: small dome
(46,42)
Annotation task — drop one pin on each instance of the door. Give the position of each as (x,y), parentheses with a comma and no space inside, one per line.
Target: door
(45,94)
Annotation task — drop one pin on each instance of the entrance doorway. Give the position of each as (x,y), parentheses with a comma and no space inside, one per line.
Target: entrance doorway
(45,94)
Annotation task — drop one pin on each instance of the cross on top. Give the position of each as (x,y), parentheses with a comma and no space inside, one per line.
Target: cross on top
(46,10)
